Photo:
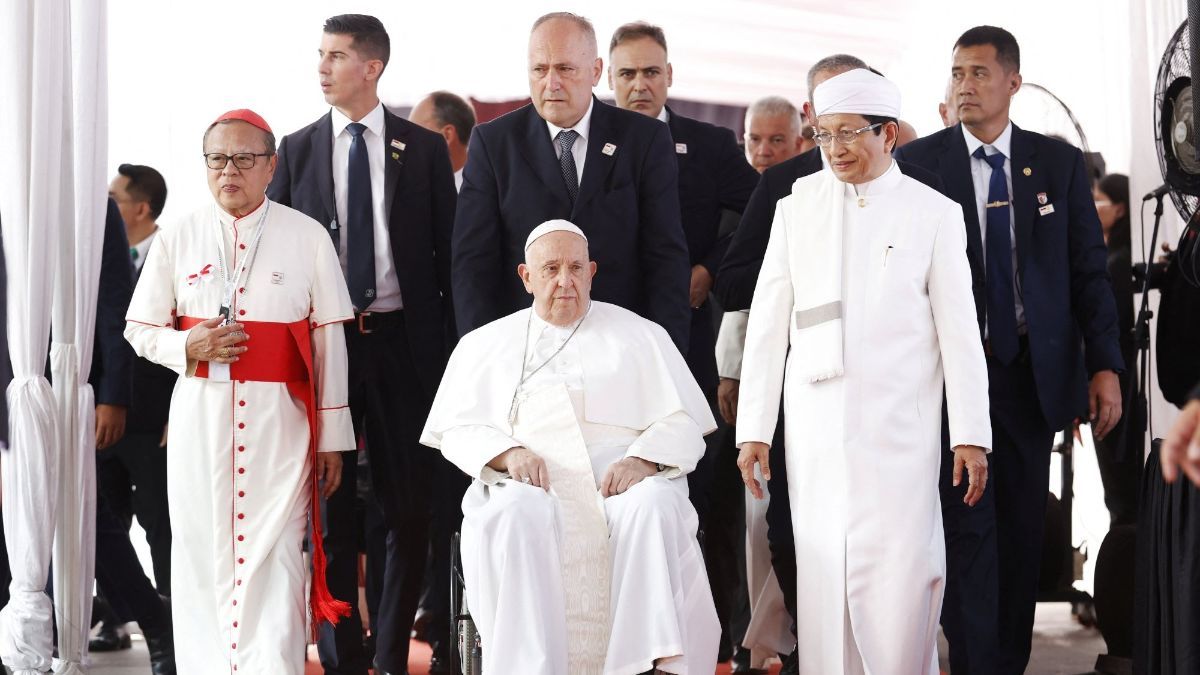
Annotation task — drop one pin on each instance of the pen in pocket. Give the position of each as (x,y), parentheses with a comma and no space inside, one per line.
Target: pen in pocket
(886,251)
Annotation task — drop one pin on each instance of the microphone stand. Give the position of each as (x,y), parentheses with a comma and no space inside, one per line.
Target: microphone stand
(1137,395)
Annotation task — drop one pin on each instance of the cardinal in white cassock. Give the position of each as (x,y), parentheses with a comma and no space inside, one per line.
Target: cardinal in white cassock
(579,421)
(862,314)
(244,298)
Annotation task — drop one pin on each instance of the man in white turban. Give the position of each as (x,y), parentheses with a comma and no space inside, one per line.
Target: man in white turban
(866,280)
(579,421)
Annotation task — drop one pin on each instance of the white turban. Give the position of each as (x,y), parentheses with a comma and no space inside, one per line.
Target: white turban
(552,226)
(859,92)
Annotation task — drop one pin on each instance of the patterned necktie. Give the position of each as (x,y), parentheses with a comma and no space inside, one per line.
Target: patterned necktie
(360,226)
(566,140)
(1001,307)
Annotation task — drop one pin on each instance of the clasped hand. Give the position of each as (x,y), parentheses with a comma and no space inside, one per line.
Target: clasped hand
(527,467)
(210,341)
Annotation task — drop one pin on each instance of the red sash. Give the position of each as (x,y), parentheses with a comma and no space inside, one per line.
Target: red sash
(283,353)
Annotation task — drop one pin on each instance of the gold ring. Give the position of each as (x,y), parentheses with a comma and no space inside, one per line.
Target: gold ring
(224,352)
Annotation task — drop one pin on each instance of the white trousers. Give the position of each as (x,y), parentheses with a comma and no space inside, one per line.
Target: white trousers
(661,608)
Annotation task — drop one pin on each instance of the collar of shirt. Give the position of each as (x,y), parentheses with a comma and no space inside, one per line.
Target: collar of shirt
(581,127)
(373,121)
(228,221)
(886,181)
(143,248)
(1003,142)
(540,329)
(663,115)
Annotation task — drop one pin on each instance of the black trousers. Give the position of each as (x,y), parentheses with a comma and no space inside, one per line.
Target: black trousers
(724,539)
(119,574)
(994,549)
(780,538)
(389,407)
(131,477)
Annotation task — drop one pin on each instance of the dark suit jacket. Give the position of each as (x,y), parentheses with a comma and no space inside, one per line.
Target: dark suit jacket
(420,202)
(743,260)
(1061,260)
(628,206)
(112,357)
(714,177)
(152,388)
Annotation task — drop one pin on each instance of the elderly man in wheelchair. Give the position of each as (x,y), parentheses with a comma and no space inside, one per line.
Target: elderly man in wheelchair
(578,421)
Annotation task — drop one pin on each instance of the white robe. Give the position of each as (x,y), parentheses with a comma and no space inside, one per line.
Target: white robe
(862,448)
(238,463)
(618,389)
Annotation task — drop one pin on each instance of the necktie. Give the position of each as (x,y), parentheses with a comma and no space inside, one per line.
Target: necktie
(1001,307)
(566,139)
(360,226)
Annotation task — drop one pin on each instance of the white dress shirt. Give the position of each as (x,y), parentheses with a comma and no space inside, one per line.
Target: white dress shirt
(143,250)
(387,286)
(579,150)
(981,176)
(458,180)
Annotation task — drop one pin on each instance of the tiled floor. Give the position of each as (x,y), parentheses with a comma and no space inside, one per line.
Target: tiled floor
(1061,647)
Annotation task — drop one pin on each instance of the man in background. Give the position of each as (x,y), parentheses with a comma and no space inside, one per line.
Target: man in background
(451,116)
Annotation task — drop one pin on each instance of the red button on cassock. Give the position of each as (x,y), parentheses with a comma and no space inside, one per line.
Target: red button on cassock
(241,537)
(242,246)
(241,561)
(241,448)
(241,312)
(242,403)
(242,470)
(241,425)
(241,493)
(234,646)
(235,624)
(241,516)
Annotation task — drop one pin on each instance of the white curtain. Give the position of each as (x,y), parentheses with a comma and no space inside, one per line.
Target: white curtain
(52,201)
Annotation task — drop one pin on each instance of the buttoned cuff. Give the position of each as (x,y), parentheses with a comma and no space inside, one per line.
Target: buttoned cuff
(335,430)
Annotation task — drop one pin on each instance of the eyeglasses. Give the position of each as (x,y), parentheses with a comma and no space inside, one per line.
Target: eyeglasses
(242,160)
(845,136)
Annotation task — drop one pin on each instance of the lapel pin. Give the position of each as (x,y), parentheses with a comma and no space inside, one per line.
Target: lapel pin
(681,148)
(397,144)
(609,149)
(395,155)
(1046,210)
(1042,199)
(1027,171)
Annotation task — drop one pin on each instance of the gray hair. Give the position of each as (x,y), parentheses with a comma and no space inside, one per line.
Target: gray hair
(772,106)
(580,22)
(836,64)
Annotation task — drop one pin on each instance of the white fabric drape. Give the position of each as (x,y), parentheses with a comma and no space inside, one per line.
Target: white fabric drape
(52,200)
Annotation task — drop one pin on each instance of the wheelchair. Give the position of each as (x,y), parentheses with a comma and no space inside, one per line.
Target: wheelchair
(470,648)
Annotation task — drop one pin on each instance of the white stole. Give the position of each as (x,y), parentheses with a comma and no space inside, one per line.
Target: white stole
(547,426)
(812,216)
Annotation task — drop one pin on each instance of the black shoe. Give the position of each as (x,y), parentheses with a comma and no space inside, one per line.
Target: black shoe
(791,664)
(161,645)
(111,638)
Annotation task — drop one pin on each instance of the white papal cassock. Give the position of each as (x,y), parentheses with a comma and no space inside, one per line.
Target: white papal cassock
(238,472)
(862,407)
(542,601)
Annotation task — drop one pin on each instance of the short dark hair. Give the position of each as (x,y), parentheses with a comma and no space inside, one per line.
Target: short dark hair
(267,136)
(145,185)
(1008,52)
(368,36)
(636,31)
(882,121)
(452,109)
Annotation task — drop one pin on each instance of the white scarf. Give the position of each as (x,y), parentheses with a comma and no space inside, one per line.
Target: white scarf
(812,215)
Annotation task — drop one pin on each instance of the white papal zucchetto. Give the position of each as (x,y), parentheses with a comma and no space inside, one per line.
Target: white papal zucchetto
(552,226)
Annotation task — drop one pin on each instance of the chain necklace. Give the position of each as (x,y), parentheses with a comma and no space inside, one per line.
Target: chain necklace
(512,409)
